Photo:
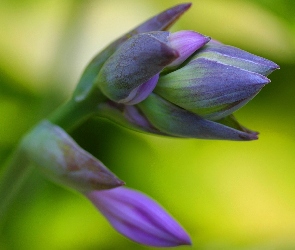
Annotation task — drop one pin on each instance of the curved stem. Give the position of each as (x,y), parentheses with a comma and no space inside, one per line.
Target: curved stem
(12,178)
(74,112)
(67,116)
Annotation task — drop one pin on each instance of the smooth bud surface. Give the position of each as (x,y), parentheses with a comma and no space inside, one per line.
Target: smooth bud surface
(139,218)
(186,42)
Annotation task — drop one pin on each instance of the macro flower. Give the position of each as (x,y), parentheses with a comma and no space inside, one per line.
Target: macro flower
(139,218)
(180,84)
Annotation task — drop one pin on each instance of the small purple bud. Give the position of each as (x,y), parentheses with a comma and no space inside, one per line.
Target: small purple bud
(139,218)
(62,160)
(186,42)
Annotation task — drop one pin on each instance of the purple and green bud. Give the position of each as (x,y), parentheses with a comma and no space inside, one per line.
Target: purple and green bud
(65,162)
(160,22)
(134,64)
(139,218)
(158,82)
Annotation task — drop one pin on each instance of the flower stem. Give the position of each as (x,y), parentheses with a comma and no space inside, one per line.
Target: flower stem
(67,116)
(14,175)
(74,112)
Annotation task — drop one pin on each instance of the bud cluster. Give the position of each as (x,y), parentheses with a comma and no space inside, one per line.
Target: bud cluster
(180,84)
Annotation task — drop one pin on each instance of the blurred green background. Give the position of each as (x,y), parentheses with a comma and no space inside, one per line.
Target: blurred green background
(228,195)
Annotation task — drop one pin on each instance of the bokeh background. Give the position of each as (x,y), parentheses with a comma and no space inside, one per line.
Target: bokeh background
(228,195)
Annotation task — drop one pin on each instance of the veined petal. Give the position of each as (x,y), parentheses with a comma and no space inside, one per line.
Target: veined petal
(236,57)
(139,218)
(141,92)
(210,89)
(176,121)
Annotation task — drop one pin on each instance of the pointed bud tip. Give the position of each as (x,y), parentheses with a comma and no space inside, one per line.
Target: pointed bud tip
(249,136)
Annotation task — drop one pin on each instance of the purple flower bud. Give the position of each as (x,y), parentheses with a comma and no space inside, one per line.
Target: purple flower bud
(139,218)
(175,121)
(159,22)
(137,61)
(186,42)
(62,160)
(210,88)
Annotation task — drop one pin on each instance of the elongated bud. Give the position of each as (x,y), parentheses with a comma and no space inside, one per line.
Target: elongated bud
(139,218)
(137,61)
(61,159)
(236,57)
(209,88)
(176,121)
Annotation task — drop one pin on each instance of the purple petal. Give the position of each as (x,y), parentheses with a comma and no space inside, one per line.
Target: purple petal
(141,92)
(186,42)
(139,218)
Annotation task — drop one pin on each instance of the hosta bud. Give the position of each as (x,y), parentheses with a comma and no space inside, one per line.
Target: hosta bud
(62,160)
(173,120)
(132,72)
(159,22)
(216,81)
(136,62)
(139,218)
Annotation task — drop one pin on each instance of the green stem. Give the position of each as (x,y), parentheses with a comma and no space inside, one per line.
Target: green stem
(12,178)
(74,112)
(67,116)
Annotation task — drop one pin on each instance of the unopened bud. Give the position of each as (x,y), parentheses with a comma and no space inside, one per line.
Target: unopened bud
(62,160)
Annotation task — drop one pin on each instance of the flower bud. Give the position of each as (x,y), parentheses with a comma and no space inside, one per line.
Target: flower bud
(125,74)
(210,88)
(176,121)
(159,22)
(61,159)
(139,218)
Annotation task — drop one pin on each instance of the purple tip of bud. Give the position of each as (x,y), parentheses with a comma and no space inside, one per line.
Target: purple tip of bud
(141,92)
(186,42)
(164,20)
(139,218)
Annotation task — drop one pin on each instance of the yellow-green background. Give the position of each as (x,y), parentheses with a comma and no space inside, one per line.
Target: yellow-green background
(228,195)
